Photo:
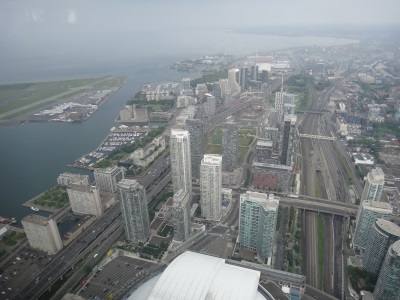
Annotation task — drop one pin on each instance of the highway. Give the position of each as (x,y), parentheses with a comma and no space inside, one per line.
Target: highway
(328,208)
(90,261)
(70,255)
(272,274)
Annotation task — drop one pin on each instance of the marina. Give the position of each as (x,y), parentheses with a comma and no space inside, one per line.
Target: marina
(115,140)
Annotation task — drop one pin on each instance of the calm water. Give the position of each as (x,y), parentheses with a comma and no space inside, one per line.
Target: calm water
(32,156)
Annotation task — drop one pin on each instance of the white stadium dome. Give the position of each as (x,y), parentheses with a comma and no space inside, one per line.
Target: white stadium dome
(201,277)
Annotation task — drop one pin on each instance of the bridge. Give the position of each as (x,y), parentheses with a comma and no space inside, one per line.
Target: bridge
(323,206)
(319,137)
(313,112)
(272,274)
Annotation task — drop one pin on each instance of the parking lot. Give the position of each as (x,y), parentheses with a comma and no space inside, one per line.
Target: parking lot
(24,267)
(220,247)
(114,277)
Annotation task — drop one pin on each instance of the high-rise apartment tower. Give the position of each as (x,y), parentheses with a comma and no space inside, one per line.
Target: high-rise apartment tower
(181,160)
(135,215)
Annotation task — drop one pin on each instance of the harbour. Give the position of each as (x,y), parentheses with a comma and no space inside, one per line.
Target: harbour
(115,140)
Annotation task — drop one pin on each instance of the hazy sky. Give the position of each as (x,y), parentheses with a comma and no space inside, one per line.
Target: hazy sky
(123,15)
(47,32)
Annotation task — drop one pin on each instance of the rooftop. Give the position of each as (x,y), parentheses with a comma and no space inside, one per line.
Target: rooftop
(389,227)
(212,159)
(129,183)
(377,206)
(82,188)
(109,170)
(376,176)
(262,142)
(272,166)
(36,219)
(198,277)
(179,132)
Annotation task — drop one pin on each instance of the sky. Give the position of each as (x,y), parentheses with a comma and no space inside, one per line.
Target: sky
(42,31)
(119,15)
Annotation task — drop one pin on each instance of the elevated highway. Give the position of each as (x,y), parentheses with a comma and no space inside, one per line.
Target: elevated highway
(313,112)
(315,136)
(272,274)
(328,207)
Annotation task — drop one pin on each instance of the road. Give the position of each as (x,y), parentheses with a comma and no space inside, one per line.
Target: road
(70,255)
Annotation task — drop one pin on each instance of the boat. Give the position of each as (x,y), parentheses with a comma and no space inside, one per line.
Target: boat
(7,220)
(34,208)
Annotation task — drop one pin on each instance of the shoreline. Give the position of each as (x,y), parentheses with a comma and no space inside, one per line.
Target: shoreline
(16,121)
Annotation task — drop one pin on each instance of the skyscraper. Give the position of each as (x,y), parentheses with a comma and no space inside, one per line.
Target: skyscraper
(217,90)
(387,286)
(234,87)
(42,233)
(107,179)
(224,85)
(243,78)
(210,186)
(196,131)
(373,187)
(279,99)
(85,200)
(368,213)
(287,140)
(180,160)
(209,105)
(264,76)
(181,215)
(265,151)
(257,222)
(382,234)
(254,72)
(186,84)
(229,147)
(135,215)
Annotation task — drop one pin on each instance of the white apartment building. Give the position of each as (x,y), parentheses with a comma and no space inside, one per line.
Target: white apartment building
(233,85)
(368,213)
(257,223)
(180,160)
(42,233)
(181,215)
(107,179)
(373,187)
(211,186)
(279,100)
(85,200)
